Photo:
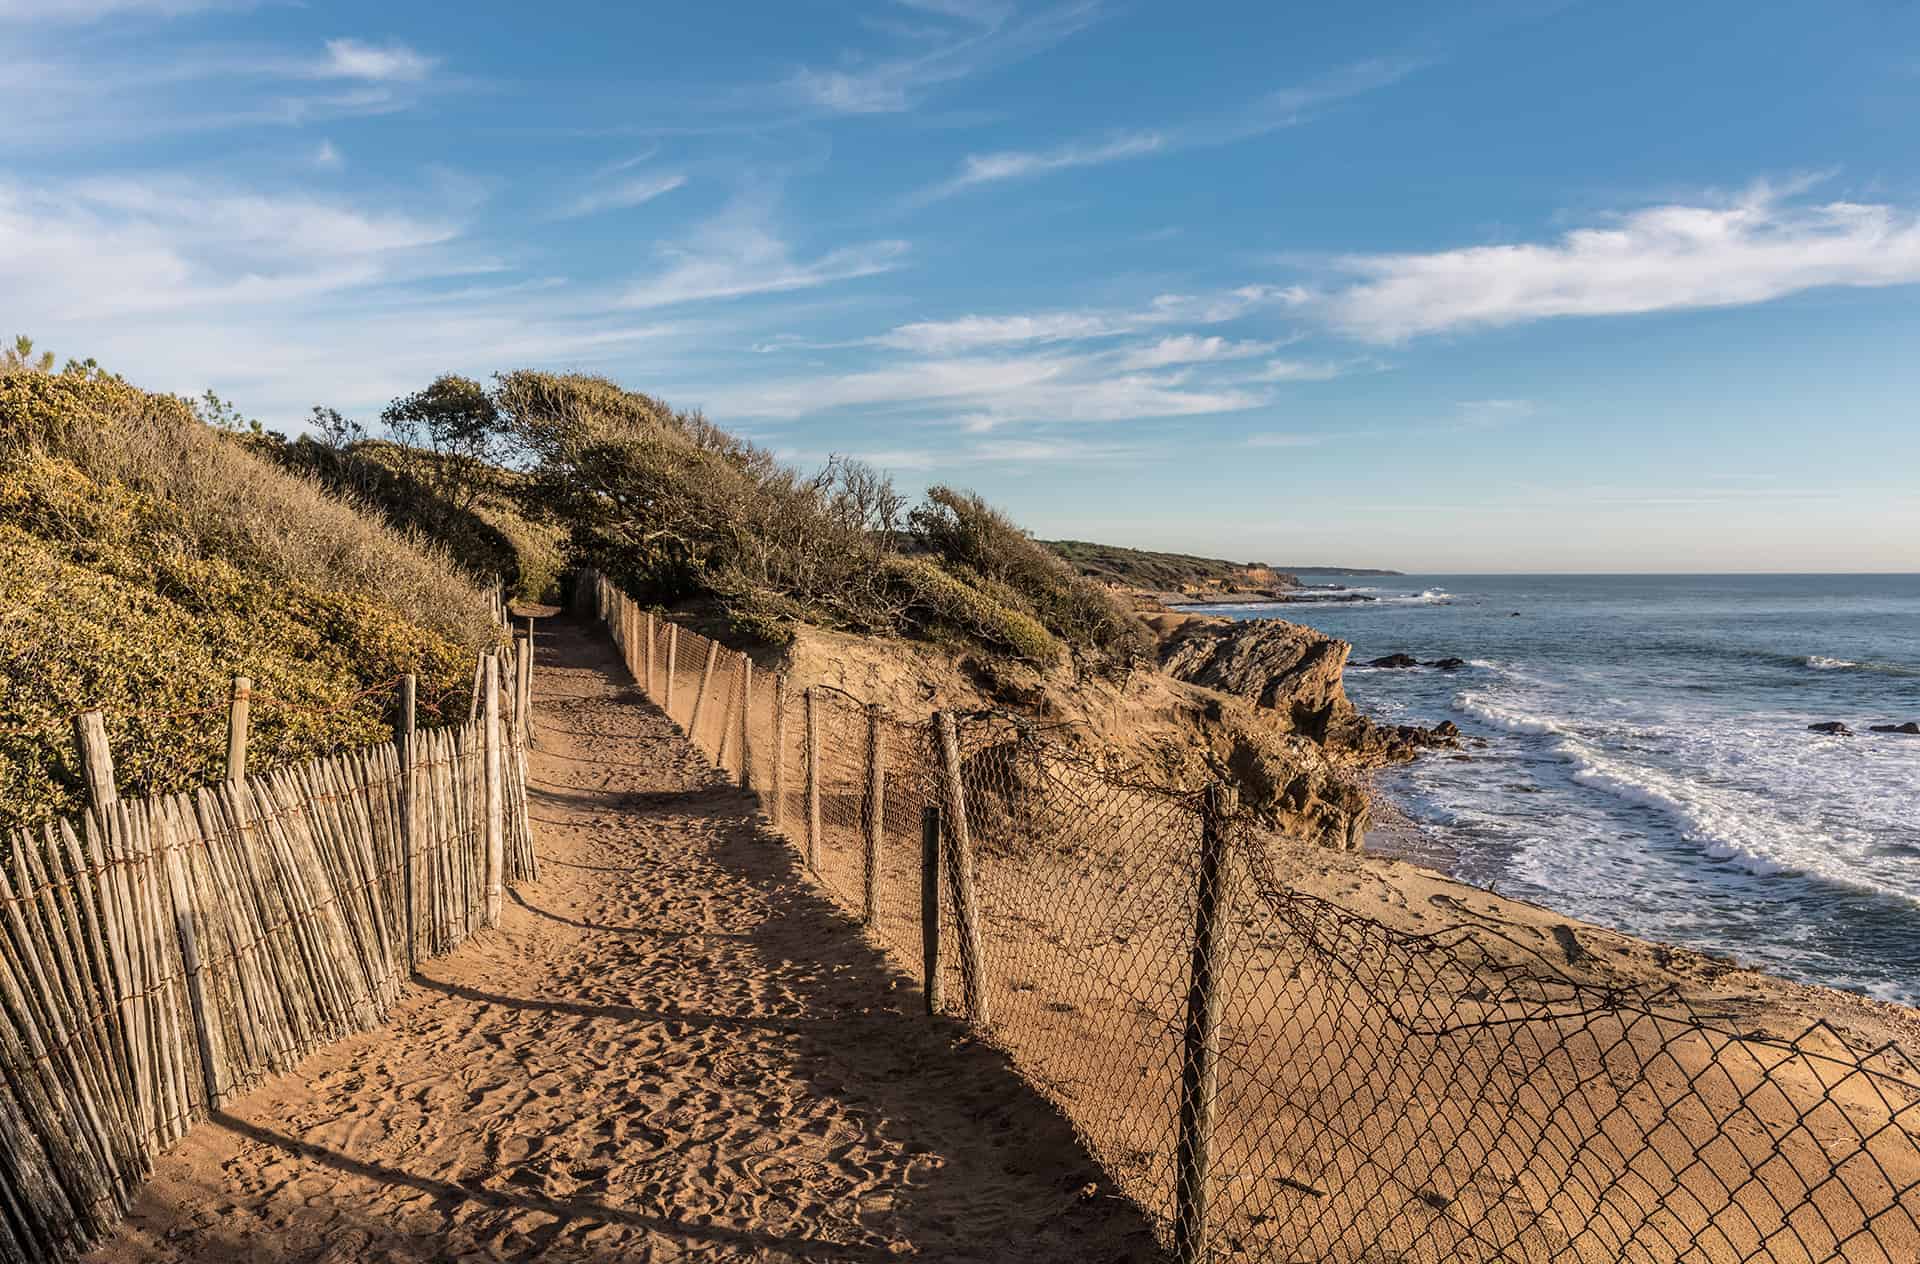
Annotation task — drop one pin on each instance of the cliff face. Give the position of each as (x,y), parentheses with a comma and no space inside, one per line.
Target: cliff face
(1271,663)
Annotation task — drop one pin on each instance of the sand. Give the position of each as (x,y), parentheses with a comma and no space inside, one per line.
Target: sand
(672,1049)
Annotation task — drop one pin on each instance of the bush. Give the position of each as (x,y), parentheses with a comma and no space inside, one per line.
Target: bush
(964,531)
(933,601)
(145,561)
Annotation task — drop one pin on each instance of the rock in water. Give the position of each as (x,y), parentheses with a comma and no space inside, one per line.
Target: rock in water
(1448,664)
(1911,728)
(1395,660)
(1833,727)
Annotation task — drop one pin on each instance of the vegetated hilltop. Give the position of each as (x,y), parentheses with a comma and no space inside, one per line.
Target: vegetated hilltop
(1148,572)
(837,579)
(146,558)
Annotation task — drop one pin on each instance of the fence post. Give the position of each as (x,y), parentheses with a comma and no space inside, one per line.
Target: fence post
(405,725)
(237,707)
(779,750)
(813,778)
(653,647)
(930,906)
(523,688)
(746,715)
(206,1024)
(700,698)
(96,759)
(875,815)
(494,777)
(673,665)
(1201,1043)
(966,911)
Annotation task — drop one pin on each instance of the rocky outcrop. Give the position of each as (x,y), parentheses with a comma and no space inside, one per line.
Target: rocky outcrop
(1394,660)
(1271,663)
(1833,728)
(1911,728)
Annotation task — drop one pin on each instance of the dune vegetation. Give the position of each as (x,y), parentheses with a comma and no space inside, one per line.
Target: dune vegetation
(146,558)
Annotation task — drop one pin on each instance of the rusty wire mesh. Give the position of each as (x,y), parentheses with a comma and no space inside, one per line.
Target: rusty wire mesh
(1374,1095)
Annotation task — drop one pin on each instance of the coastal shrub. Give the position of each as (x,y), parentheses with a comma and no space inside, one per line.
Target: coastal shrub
(932,601)
(672,507)
(963,530)
(146,560)
(485,518)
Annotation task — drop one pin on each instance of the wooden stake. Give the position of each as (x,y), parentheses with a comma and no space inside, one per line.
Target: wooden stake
(779,813)
(96,760)
(405,729)
(874,815)
(523,688)
(673,656)
(653,652)
(746,715)
(700,698)
(813,779)
(1200,1052)
(930,907)
(960,873)
(237,728)
(493,772)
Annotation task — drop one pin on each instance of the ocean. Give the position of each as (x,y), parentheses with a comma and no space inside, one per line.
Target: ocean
(1640,756)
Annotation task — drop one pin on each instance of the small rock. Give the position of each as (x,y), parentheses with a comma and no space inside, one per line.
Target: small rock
(1448,664)
(1446,728)
(1395,660)
(1911,728)
(1833,727)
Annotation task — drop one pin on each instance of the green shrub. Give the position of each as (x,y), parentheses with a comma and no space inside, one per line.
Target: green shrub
(933,601)
(145,561)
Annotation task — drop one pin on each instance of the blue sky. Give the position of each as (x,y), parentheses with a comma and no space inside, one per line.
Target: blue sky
(1531,286)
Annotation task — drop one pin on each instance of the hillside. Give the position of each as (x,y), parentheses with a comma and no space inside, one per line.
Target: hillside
(1149,572)
(147,558)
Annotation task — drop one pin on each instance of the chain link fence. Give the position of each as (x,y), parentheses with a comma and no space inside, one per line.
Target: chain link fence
(1272,1075)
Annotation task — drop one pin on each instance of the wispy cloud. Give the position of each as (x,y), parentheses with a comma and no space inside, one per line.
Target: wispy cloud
(1761,246)
(1191,349)
(391,63)
(988,36)
(622,196)
(328,157)
(974,333)
(1303,371)
(1284,440)
(979,169)
(982,393)
(93,10)
(1284,108)
(739,253)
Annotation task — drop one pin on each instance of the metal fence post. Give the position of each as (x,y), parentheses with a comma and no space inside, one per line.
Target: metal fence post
(813,779)
(966,909)
(1199,1066)
(930,907)
(779,813)
(874,816)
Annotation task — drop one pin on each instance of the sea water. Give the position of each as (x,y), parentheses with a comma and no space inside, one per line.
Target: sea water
(1640,756)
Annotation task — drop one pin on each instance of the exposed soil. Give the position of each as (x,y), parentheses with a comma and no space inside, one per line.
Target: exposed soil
(672,1049)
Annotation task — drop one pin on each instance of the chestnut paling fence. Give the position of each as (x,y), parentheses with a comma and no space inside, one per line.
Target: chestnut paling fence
(1272,1075)
(159,956)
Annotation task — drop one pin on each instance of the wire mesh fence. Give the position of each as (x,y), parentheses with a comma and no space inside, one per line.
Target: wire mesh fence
(1272,1075)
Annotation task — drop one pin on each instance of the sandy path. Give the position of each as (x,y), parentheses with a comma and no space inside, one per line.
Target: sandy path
(671,1049)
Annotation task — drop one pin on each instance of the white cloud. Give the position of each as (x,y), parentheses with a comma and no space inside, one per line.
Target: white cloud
(1665,258)
(983,392)
(395,63)
(971,333)
(622,196)
(738,254)
(327,157)
(1301,371)
(989,39)
(979,169)
(97,248)
(1191,349)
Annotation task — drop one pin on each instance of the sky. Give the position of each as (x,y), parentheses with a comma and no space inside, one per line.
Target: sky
(1519,286)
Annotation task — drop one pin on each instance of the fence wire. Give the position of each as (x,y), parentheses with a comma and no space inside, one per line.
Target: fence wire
(1298,1080)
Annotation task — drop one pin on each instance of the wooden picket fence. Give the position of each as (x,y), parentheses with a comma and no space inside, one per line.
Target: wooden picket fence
(159,956)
